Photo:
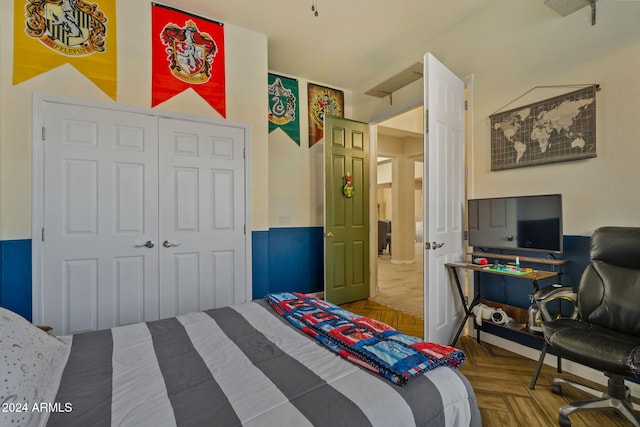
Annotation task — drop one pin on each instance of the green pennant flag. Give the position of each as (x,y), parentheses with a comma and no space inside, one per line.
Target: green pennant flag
(284,111)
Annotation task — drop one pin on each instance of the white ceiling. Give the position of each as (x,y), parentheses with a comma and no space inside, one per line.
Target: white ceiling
(349,42)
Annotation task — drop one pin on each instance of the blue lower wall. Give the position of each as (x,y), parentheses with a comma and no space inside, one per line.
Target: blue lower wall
(284,259)
(15,276)
(291,259)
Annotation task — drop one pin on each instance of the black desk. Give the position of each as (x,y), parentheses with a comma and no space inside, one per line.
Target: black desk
(533,276)
(453,273)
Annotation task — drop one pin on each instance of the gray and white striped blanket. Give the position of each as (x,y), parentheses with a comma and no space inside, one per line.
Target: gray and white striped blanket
(241,366)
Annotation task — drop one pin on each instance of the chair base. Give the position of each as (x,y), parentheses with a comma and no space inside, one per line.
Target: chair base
(617,397)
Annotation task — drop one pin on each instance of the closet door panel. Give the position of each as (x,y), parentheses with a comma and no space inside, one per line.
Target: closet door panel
(100,209)
(201,216)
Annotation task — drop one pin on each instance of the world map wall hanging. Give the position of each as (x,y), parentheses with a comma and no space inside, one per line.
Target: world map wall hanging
(557,129)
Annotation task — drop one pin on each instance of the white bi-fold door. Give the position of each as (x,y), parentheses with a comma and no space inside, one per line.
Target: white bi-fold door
(143,217)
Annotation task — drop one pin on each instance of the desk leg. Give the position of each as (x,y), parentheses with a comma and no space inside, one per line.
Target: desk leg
(453,273)
(534,282)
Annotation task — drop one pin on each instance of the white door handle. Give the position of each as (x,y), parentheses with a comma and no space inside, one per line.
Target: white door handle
(434,245)
(169,244)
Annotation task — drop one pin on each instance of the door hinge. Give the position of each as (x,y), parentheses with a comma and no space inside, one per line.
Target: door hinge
(244,229)
(42,234)
(43,134)
(426,121)
(466,105)
(244,153)
(466,235)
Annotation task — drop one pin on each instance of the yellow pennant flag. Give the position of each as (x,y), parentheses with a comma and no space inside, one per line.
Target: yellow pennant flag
(50,33)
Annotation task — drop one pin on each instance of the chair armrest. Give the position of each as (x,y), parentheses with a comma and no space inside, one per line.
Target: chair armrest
(555,291)
(550,293)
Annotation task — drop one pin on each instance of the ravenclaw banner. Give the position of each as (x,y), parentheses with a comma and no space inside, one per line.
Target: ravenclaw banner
(188,52)
(283,106)
(51,33)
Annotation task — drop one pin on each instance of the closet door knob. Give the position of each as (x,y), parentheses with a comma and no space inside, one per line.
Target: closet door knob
(149,244)
(169,244)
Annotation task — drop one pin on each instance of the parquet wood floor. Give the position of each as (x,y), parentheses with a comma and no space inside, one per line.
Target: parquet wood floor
(501,379)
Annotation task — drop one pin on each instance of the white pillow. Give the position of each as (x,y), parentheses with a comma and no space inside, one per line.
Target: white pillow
(29,358)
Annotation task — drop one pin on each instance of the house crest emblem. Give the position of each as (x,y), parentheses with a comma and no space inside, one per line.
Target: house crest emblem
(69,27)
(282,104)
(190,52)
(325,103)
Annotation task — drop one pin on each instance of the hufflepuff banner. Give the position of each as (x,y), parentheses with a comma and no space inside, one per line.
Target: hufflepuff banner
(51,33)
(284,109)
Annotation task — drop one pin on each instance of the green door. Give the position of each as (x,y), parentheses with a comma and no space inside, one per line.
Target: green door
(346,160)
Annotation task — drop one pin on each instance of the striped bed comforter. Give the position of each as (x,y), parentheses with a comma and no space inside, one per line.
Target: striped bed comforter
(241,366)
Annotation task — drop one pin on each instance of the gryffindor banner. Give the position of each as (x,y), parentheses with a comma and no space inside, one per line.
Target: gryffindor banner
(188,52)
(51,33)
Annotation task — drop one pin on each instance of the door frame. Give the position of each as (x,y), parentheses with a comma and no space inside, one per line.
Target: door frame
(373,153)
(37,181)
(373,179)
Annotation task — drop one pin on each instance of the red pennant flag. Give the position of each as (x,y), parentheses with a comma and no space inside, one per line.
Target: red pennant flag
(188,52)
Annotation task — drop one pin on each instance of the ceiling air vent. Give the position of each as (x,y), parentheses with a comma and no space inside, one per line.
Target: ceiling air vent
(400,80)
(567,7)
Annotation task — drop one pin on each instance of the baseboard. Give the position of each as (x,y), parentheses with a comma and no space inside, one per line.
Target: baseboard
(403,261)
(551,360)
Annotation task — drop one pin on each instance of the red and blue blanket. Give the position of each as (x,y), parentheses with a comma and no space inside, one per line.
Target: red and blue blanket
(364,341)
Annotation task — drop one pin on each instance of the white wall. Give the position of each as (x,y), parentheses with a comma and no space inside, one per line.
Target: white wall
(510,48)
(246,62)
(520,44)
(295,172)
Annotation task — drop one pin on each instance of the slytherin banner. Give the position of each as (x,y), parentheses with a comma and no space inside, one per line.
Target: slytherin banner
(284,109)
(51,33)
(188,52)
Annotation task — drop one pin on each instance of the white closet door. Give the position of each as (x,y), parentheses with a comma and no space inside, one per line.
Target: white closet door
(100,209)
(202,242)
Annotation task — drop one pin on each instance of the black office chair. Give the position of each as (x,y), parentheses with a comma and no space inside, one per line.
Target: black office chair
(606,336)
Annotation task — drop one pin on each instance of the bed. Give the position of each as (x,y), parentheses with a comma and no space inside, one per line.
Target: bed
(244,365)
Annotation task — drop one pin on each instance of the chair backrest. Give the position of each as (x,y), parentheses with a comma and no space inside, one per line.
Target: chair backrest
(609,293)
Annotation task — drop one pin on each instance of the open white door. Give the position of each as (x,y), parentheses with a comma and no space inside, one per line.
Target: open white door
(443,198)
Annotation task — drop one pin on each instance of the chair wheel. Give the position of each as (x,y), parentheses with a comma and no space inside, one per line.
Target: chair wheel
(564,421)
(556,389)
